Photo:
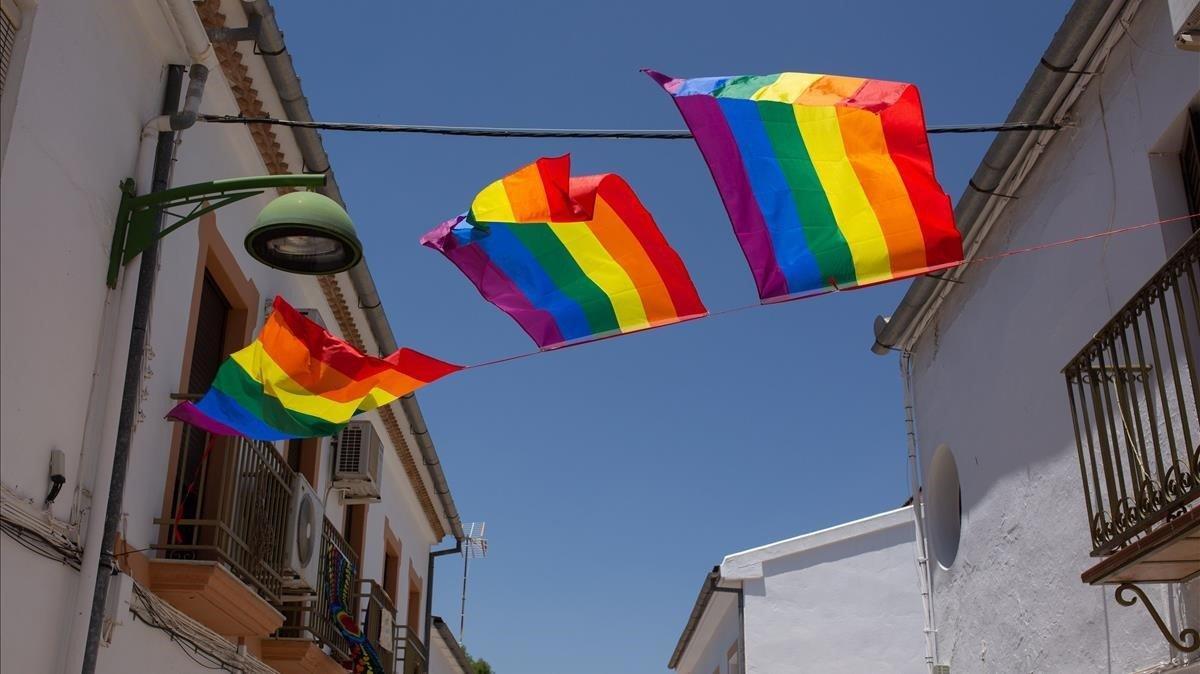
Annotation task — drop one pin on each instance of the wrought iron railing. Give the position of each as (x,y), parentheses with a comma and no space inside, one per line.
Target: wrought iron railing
(377,616)
(412,658)
(308,615)
(1133,392)
(230,505)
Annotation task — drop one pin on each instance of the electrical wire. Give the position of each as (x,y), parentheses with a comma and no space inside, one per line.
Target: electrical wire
(612,134)
(794,298)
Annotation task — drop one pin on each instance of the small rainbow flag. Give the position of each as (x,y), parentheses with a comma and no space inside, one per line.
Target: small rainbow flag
(299,381)
(568,258)
(828,180)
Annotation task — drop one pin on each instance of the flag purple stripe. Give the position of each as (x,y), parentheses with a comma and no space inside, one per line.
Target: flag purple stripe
(495,285)
(704,117)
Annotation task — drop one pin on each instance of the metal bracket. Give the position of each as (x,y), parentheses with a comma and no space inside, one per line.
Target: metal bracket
(248,33)
(137,216)
(1190,638)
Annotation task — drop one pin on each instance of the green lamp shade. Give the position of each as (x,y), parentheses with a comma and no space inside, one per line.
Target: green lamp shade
(304,233)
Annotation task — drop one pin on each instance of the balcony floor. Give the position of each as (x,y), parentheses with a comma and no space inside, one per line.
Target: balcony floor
(210,594)
(1170,553)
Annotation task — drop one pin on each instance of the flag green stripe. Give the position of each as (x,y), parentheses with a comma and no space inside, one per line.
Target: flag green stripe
(825,238)
(236,383)
(567,275)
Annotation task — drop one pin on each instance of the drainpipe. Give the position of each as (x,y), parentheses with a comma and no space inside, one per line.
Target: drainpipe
(295,105)
(433,555)
(98,563)
(924,572)
(741,606)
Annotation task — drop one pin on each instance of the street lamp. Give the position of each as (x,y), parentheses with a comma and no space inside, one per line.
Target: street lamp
(300,232)
(304,233)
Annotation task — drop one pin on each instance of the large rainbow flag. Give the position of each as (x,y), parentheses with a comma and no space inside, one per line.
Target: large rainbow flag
(568,258)
(297,381)
(828,180)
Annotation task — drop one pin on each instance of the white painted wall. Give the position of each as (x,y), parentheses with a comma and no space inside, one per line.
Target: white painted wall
(840,600)
(988,383)
(717,631)
(441,659)
(92,74)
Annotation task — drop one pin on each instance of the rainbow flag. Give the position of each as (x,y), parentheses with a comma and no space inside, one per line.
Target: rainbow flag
(828,180)
(298,381)
(568,258)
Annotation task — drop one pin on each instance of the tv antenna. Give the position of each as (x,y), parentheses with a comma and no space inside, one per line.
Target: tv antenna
(475,544)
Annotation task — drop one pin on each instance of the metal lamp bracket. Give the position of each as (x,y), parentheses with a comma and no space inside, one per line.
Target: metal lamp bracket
(1189,639)
(137,217)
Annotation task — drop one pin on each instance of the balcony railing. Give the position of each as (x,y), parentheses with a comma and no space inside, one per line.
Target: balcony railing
(308,615)
(1133,392)
(411,657)
(231,507)
(399,647)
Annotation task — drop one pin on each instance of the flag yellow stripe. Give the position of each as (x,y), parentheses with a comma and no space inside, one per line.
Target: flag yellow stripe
(855,217)
(598,265)
(276,383)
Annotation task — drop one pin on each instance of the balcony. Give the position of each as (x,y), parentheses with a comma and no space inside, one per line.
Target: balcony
(399,646)
(221,555)
(1133,391)
(307,615)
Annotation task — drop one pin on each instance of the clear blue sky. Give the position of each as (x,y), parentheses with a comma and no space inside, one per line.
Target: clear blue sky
(614,476)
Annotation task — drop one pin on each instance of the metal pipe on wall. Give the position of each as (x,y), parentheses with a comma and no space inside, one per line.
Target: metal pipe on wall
(143,299)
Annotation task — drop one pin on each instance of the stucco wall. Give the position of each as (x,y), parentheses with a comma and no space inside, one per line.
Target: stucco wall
(988,383)
(848,607)
(718,630)
(92,75)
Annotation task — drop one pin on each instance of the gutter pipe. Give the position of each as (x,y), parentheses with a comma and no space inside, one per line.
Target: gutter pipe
(433,555)
(924,571)
(712,585)
(295,104)
(98,562)
(1038,101)
(741,607)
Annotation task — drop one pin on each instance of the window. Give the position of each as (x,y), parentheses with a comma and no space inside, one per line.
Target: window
(303,456)
(943,506)
(413,614)
(208,350)
(1189,160)
(733,664)
(354,525)
(391,563)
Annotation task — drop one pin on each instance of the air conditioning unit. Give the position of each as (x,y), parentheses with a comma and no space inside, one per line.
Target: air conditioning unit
(311,314)
(1185,21)
(302,536)
(357,460)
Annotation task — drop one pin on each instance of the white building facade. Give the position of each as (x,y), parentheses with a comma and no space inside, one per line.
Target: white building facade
(843,599)
(205,580)
(1024,476)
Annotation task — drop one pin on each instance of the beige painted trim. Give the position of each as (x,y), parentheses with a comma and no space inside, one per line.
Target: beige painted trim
(215,257)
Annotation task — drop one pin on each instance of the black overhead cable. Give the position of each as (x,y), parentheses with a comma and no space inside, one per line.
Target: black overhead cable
(628,134)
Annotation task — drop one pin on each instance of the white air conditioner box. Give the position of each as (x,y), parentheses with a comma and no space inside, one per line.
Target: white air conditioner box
(357,460)
(1185,22)
(302,536)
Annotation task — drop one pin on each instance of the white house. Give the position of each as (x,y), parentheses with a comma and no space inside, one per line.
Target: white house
(446,656)
(1055,392)
(843,599)
(207,577)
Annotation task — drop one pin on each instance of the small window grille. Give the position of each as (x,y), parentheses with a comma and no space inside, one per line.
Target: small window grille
(8,39)
(1189,158)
